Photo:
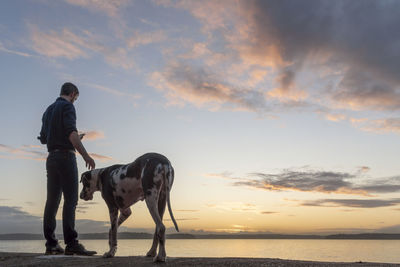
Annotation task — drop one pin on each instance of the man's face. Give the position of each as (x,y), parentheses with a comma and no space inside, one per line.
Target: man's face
(74,97)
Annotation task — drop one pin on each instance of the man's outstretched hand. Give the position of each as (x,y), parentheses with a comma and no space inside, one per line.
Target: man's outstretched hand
(75,139)
(90,164)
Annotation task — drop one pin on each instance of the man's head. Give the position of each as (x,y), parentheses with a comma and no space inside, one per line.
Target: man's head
(69,91)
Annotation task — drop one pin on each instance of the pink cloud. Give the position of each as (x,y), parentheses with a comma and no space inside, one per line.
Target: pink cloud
(109,7)
(70,45)
(24,152)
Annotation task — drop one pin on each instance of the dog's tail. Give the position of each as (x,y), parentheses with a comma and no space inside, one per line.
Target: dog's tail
(170,180)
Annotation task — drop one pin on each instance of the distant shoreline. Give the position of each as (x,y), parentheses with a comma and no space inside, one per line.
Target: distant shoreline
(131,235)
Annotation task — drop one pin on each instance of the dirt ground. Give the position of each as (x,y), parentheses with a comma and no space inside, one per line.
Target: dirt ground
(30,259)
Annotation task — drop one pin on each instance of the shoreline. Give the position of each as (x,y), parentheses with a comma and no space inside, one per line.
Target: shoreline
(11,259)
(143,235)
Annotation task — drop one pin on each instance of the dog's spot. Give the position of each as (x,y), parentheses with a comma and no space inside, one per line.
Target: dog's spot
(123,190)
(88,175)
(120,201)
(133,170)
(122,176)
(148,193)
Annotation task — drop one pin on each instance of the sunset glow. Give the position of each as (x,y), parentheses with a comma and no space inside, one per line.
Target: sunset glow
(278,116)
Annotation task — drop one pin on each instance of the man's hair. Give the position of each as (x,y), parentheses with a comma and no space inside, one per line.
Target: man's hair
(68,88)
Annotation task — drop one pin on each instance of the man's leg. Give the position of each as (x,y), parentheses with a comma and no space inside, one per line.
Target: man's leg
(70,191)
(52,202)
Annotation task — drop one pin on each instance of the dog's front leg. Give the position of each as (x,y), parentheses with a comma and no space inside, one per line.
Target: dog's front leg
(112,237)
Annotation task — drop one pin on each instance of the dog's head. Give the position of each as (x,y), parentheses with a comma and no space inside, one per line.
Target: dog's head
(90,185)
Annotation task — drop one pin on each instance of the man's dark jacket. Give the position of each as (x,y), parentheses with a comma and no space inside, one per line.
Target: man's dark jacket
(58,122)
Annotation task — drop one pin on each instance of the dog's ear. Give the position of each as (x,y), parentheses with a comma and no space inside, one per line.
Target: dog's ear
(86,176)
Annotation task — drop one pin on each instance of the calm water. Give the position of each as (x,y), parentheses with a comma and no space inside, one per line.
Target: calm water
(318,250)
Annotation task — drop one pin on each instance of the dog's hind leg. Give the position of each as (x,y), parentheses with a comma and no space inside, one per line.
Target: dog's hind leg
(152,204)
(112,235)
(161,208)
(153,250)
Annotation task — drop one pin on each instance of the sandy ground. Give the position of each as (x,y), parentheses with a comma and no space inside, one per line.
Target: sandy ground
(30,259)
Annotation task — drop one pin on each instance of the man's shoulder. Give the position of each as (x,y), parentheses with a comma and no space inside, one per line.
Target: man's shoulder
(61,102)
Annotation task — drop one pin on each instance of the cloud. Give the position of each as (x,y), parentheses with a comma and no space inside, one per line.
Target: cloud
(187,210)
(380,126)
(201,87)
(317,53)
(109,7)
(305,181)
(25,152)
(114,92)
(99,157)
(361,90)
(93,135)
(353,203)
(183,219)
(237,207)
(36,153)
(389,229)
(82,207)
(4,49)
(84,44)
(317,181)
(268,212)
(332,33)
(16,220)
(146,38)
(54,45)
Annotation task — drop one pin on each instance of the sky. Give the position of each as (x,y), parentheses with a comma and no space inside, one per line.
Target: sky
(278,116)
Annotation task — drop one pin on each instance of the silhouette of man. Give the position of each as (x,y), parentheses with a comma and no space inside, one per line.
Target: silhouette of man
(60,135)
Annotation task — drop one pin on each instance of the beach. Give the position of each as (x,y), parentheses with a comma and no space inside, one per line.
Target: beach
(36,259)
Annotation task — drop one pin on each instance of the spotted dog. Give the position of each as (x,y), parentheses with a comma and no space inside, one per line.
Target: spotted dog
(150,178)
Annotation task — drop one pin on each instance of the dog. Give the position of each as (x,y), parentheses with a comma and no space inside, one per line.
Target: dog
(150,178)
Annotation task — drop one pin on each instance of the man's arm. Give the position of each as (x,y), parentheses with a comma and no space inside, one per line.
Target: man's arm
(76,142)
(43,135)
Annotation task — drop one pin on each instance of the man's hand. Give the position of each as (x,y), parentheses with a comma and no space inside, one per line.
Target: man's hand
(76,142)
(90,164)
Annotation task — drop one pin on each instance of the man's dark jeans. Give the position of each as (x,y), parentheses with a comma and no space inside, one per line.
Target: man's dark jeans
(62,177)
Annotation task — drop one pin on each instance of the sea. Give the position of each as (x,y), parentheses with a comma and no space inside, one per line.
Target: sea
(385,251)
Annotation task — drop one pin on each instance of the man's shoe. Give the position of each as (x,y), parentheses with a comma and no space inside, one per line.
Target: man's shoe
(55,250)
(78,249)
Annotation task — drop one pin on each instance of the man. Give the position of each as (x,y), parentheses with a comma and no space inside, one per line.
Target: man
(61,136)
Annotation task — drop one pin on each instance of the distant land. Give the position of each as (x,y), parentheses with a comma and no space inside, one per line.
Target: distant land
(130,235)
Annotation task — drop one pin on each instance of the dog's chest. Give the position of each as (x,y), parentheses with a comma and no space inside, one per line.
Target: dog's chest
(127,190)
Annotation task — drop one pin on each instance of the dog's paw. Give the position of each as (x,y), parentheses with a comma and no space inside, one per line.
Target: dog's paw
(151,253)
(108,255)
(159,258)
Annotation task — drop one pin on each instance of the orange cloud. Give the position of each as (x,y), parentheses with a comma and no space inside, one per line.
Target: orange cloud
(335,117)
(93,135)
(99,157)
(380,126)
